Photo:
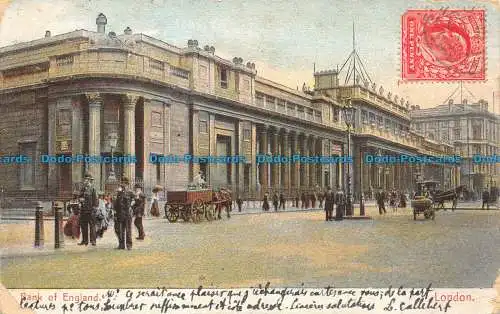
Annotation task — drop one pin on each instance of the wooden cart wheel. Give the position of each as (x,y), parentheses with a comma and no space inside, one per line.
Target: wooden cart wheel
(185,213)
(197,210)
(171,212)
(210,212)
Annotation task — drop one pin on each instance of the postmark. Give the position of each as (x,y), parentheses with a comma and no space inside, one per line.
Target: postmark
(443,45)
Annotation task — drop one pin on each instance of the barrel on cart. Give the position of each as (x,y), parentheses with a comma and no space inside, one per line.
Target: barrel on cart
(190,205)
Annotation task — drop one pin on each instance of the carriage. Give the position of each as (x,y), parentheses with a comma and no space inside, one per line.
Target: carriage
(422,204)
(195,203)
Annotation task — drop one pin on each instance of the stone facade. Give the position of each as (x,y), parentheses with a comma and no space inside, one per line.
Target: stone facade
(66,95)
(472,130)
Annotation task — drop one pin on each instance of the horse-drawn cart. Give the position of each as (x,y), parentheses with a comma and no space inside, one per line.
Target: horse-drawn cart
(194,204)
(423,205)
(189,205)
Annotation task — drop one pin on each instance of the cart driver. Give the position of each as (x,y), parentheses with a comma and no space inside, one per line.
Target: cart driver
(198,180)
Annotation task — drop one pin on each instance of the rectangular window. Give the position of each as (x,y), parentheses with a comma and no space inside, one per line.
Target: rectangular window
(336,113)
(259,99)
(300,111)
(156,65)
(223,75)
(317,116)
(156,119)
(364,117)
(247,134)
(380,121)
(203,127)
(372,118)
(270,102)
(27,170)
(456,134)
(64,123)
(310,114)
(281,105)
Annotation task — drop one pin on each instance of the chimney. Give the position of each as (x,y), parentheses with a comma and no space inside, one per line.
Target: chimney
(101,22)
(47,34)
(127,31)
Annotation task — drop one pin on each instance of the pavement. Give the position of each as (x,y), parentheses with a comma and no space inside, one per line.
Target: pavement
(458,249)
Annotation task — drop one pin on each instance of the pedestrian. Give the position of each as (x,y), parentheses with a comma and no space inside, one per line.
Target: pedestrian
(123,215)
(239,203)
(265,203)
(313,199)
(101,216)
(297,199)
(155,208)
(139,205)
(486,199)
(282,201)
(72,227)
(303,199)
(321,197)
(89,205)
(380,202)
(329,203)
(275,201)
(340,200)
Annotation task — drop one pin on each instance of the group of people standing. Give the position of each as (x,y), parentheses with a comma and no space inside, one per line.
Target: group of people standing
(92,213)
(395,199)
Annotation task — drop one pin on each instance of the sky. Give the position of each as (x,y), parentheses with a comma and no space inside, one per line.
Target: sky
(284,38)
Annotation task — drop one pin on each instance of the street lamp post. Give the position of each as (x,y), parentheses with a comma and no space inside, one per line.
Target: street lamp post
(349,111)
(113,140)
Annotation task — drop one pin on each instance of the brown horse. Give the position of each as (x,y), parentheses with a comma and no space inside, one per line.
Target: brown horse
(223,198)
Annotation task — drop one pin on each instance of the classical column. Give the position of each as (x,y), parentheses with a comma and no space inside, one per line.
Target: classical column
(319,166)
(285,167)
(312,165)
(295,171)
(52,183)
(304,168)
(274,166)
(129,134)
(263,178)
(77,140)
(95,103)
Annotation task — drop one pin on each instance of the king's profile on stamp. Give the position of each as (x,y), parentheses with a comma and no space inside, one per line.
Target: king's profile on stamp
(443,45)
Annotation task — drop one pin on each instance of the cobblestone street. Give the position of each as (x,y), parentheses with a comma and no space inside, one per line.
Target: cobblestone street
(458,249)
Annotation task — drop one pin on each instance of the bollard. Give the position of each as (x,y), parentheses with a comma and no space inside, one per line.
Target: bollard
(39,231)
(58,227)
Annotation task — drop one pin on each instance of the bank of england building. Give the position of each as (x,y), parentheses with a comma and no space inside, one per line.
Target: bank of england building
(80,92)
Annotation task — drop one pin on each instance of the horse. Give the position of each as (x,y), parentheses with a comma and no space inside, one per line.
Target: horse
(223,198)
(451,195)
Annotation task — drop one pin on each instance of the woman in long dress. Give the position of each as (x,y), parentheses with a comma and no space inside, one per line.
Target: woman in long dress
(102,217)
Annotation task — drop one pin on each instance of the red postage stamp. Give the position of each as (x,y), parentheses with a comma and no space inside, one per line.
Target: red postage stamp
(443,45)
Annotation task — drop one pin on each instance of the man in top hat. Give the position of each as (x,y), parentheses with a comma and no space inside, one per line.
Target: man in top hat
(123,214)
(138,210)
(89,204)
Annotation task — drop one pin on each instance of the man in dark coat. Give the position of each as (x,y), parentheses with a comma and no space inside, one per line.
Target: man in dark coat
(486,199)
(282,201)
(265,203)
(89,203)
(275,201)
(329,202)
(138,210)
(340,200)
(381,202)
(123,215)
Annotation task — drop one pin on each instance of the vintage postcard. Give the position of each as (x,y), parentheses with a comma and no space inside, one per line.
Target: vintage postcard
(222,156)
